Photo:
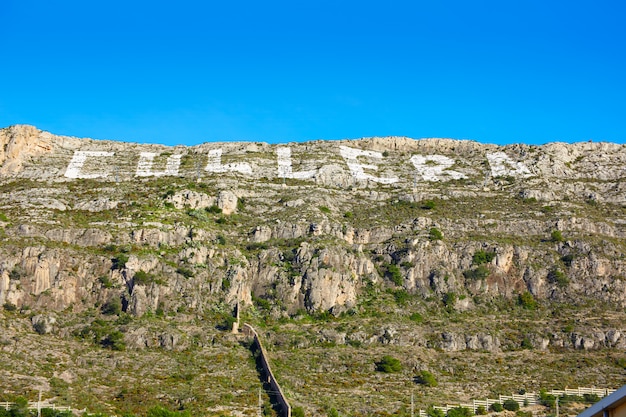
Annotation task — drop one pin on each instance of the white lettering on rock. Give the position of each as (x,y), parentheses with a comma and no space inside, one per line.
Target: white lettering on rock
(215,164)
(356,168)
(79,158)
(435,168)
(146,162)
(502,165)
(285,169)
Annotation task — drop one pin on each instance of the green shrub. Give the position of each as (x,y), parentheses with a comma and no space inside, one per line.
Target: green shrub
(497,407)
(114,341)
(214,209)
(113,307)
(556,236)
(428,204)
(479,273)
(426,378)
(3,218)
(394,274)
(388,364)
(9,306)
(119,262)
(348,215)
(482,257)
(449,299)
(558,277)
(527,300)
(401,296)
(567,260)
(460,412)
(105,281)
(510,405)
(435,234)
(297,411)
(141,277)
(187,273)
(416,317)
(547,400)
(158,411)
(221,240)
(591,398)
(434,412)
(520,413)
(324,209)
(481,410)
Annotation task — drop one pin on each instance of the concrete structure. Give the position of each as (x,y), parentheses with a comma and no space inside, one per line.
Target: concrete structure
(613,405)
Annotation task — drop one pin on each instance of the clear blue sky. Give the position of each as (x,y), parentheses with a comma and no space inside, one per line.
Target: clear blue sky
(186,72)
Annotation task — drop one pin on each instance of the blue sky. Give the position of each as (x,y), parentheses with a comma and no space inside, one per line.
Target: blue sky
(186,72)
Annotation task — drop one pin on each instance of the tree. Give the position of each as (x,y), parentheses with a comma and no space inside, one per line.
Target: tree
(511,405)
(435,234)
(497,407)
(434,412)
(556,236)
(426,378)
(388,364)
(460,412)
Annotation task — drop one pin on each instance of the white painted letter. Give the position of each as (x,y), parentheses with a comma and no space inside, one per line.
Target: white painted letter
(146,160)
(502,165)
(78,160)
(431,168)
(350,155)
(284,166)
(215,164)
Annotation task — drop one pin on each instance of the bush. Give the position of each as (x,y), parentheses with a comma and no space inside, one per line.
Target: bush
(527,301)
(568,259)
(9,306)
(113,307)
(119,262)
(481,410)
(428,204)
(297,412)
(348,215)
(435,234)
(477,274)
(426,378)
(187,273)
(558,277)
(105,281)
(510,405)
(460,412)
(388,364)
(497,407)
(214,209)
(482,257)
(434,412)
(164,412)
(556,236)
(547,400)
(449,299)
(416,317)
(394,274)
(141,277)
(324,209)
(115,341)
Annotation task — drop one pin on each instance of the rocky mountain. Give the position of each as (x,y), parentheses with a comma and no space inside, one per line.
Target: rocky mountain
(434,244)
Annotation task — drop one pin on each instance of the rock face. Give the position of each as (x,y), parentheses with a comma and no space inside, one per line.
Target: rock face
(312,227)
